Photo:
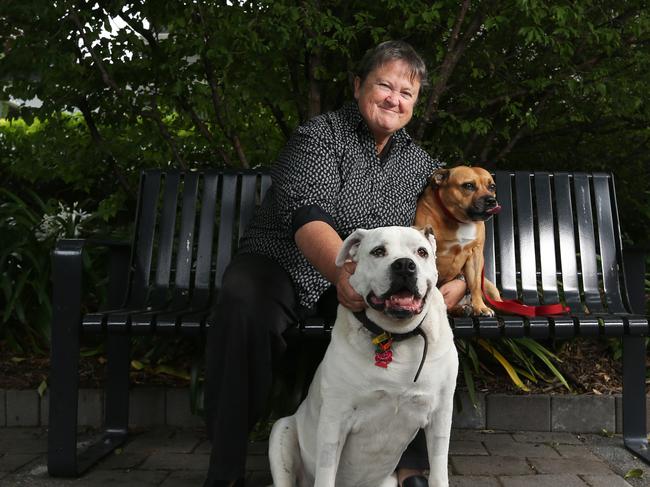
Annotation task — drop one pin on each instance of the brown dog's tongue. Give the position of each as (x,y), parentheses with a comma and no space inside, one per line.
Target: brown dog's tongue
(495,210)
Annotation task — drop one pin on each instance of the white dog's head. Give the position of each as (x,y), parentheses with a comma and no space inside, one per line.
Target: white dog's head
(395,273)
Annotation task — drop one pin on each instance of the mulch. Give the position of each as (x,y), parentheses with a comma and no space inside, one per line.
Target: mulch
(30,371)
(587,365)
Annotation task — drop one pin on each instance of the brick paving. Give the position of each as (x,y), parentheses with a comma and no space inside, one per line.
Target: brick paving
(176,457)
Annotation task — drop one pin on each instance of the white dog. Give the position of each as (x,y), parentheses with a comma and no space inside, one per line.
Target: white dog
(368,399)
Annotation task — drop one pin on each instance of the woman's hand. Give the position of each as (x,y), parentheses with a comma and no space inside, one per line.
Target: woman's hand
(346,294)
(453,291)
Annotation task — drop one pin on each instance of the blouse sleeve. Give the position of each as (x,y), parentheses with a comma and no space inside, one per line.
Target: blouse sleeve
(306,177)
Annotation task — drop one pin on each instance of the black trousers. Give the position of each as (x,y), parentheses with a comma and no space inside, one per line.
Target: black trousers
(256,304)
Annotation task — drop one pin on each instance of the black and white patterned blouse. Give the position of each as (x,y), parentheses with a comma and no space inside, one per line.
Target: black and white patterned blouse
(330,171)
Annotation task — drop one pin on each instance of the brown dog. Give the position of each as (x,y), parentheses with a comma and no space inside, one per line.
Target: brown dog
(455,204)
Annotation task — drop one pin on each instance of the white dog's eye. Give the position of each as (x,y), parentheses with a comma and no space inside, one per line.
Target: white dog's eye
(422,252)
(379,251)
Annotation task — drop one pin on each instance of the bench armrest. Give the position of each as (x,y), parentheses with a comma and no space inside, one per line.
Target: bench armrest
(67,276)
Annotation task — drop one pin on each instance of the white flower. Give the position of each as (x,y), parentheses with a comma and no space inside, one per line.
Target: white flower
(66,223)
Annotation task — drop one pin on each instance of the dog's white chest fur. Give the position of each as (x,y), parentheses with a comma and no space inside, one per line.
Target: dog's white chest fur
(357,418)
(466,233)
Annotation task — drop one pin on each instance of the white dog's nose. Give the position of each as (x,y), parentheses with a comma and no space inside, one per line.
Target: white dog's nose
(403,267)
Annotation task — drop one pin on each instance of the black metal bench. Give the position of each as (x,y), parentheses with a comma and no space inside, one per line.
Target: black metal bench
(557,238)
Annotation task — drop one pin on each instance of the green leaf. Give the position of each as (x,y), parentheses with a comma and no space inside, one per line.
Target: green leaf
(469,381)
(504,363)
(544,355)
(174,372)
(635,473)
(42,387)
(137,365)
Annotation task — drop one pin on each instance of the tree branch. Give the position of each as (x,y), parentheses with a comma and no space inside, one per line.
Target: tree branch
(216,98)
(98,62)
(489,141)
(455,48)
(522,130)
(203,128)
(99,142)
(279,118)
(295,88)
(147,34)
(156,116)
(313,63)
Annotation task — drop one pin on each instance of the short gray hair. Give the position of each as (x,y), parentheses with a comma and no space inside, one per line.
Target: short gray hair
(391,51)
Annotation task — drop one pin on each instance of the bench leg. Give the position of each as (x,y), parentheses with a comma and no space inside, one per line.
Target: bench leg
(634,397)
(116,414)
(63,459)
(64,359)
(118,350)
(634,356)
(64,394)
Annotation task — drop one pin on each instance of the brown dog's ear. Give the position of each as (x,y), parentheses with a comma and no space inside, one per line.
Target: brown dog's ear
(439,177)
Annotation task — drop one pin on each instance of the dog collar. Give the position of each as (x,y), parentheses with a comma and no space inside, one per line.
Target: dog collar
(446,211)
(383,341)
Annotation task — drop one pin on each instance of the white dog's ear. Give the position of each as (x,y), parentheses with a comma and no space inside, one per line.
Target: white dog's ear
(428,233)
(350,246)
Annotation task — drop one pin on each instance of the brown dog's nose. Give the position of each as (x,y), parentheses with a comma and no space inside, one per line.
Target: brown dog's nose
(403,267)
(490,202)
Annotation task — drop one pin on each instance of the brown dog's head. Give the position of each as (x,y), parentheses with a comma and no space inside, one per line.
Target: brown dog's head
(467,192)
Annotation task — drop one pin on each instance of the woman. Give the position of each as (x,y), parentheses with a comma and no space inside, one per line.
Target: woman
(353,168)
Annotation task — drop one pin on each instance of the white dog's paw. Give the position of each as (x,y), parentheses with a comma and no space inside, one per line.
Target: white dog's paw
(390,481)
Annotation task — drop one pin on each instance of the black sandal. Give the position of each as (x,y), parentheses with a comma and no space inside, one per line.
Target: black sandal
(415,481)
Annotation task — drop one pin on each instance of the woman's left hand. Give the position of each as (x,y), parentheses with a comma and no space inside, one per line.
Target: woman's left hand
(453,291)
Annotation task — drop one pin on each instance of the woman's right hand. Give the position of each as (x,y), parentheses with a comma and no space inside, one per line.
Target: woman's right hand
(346,294)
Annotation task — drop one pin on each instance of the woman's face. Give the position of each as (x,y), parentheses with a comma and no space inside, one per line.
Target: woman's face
(386,98)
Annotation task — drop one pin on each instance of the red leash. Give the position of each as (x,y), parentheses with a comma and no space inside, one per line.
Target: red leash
(516,307)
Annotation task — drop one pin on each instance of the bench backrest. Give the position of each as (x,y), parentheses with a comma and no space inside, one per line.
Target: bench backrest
(187,228)
(556,238)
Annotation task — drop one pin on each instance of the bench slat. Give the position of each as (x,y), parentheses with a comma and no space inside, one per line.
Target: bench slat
(513,326)
(266,184)
(488,251)
(226,225)
(202,278)
(463,327)
(587,242)
(609,245)
(539,327)
(146,224)
(488,326)
(165,243)
(506,239)
(566,241)
(546,237)
(184,254)
(247,202)
(563,326)
(526,240)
